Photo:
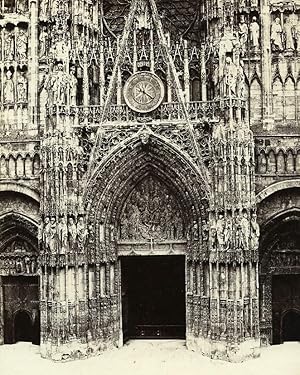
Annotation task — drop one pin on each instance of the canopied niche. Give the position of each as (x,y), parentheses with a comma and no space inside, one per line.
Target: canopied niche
(151,211)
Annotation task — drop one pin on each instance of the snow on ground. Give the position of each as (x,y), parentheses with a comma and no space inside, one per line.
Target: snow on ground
(165,357)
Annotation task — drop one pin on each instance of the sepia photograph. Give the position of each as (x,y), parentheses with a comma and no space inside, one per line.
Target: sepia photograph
(150,187)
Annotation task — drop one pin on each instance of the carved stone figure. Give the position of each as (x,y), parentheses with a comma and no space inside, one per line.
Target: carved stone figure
(43,8)
(43,42)
(228,233)
(243,33)
(276,35)
(245,228)
(62,235)
(27,262)
(255,232)
(297,35)
(289,33)
(19,265)
(72,231)
(9,88)
(254,33)
(53,236)
(21,44)
(220,226)
(230,75)
(22,6)
(241,84)
(9,45)
(73,86)
(47,234)
(22,87)
(81,231)
(60,85)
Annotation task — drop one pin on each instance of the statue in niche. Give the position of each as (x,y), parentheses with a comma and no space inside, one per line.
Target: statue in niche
(245,229)
(73,86)
(21,44)
(81,231)
(228,233)
(46,232)
(27,262)
(289,33)
(243,33)
(254,33)
(22,87)
(43,42)
(43,8)
(52,236)
(241,84)
(230,75)
(9,88)
(72,231)
(255,232)
(220,227)
(62,235)
(22,6)
(238,232)
(297,35)
(276,35)
(9,46)
(19,265)
(32,265)
(59,86)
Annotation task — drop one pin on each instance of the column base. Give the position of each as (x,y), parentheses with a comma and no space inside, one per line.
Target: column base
(74,350)
(223,350)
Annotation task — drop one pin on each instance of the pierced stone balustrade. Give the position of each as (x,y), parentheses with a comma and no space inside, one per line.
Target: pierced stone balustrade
(209,111)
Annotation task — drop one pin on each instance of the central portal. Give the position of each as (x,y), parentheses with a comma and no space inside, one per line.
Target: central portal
(153,297)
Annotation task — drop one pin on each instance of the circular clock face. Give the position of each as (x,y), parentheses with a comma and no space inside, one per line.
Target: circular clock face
(143,92)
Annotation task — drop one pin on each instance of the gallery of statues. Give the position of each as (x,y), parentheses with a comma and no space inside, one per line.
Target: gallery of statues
(150,174)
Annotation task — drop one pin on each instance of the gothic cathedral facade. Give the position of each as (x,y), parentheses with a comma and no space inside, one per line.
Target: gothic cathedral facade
(149,174)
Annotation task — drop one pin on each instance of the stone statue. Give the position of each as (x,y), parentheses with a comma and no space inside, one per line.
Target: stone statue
(220,226)
(255,232)
(22,6)
(81,231)
(22,87)
(19,265)
(52,236)
(297,35)
(72,231)
(230,75)
(9,46)
(9,88)
(62,235)
(245,228)
(43,8)
(46,233)
(276,35)
(73,86)
(21,44)
(228,234)
(289,33)
(254,33)
(59,86)
(43,42)
(243,33)
(27,264)
(241,85)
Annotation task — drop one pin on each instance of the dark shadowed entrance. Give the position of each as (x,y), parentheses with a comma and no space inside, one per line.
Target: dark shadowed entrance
(291,326)
(153,297)
(23,326)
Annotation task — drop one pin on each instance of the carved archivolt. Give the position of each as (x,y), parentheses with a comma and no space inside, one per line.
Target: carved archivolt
(113,186)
